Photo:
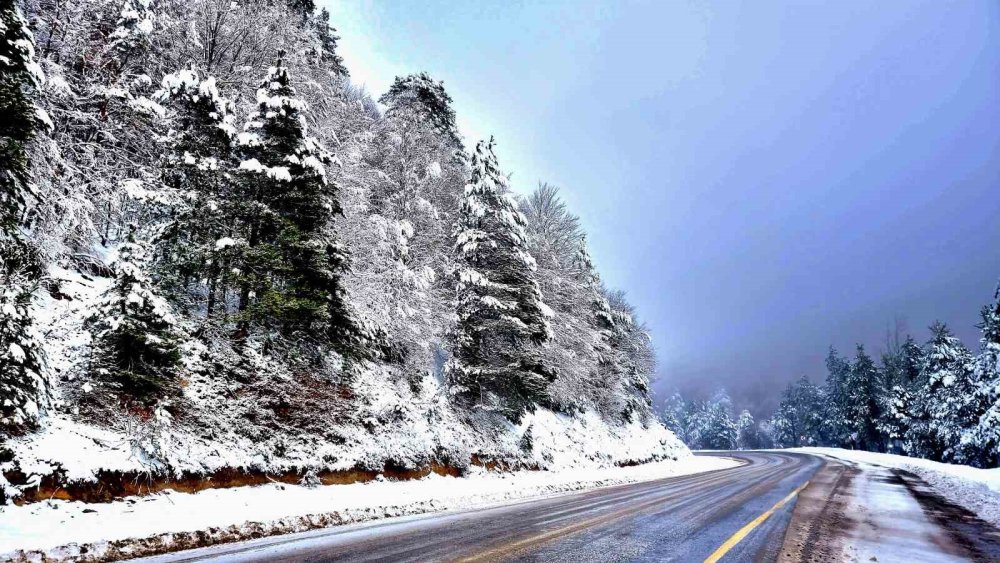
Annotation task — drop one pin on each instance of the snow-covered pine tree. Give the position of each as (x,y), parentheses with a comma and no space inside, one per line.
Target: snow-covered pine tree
(675,417)
(835,388)
(421,94)
(747,437)
(136,337)
(290,276)
(863,386)
(196,243)
(132,29)
(901,378)
(802,415)
(633,357)
(984,437)
(20,75)
(326,53)
(717,430)
(501,315)
(944,410)
(23,388)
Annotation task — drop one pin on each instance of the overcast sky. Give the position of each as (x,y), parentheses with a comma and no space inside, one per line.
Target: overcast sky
(763,178)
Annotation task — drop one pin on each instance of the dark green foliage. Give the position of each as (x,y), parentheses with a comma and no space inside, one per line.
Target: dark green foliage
(801,415)
(23,389)
(500,310)
(290,269)
(327,52)
(135,335)
(19,75)
(191,261)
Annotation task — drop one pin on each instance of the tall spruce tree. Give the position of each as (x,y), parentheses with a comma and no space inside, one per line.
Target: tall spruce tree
(501,316)
(942,412)
(200,237)
(836,391)
(291,273)
(23,388)
(901,378)
(801,417)
(863,386)
(747,437)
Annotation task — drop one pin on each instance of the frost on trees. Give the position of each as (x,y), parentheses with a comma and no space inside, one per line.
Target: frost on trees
(197,243)
(862,387)
(747,437)
(421,94)
(23,388)
(938,418)
(501,316)
(132,29)
(633,358)
(136,337)
(984,436)
(413,200)
(291,268)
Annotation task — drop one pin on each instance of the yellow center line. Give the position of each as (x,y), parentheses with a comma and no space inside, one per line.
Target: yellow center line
(745,530)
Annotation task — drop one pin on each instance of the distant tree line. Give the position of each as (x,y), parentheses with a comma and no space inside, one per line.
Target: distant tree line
(937,401)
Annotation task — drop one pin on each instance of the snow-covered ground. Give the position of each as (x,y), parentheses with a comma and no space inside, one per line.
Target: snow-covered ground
(975,489)
(228,514)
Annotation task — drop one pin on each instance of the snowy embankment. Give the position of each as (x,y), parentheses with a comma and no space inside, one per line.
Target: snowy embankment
(975,489)
(170,520)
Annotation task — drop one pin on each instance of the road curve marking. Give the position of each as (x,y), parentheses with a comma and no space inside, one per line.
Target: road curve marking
(745,530)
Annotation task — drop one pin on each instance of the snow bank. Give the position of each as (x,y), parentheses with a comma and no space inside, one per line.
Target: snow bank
(975,489)
(278,508)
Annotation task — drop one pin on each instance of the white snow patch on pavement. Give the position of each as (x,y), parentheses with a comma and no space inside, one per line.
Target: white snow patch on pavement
(48,525)
(975,489)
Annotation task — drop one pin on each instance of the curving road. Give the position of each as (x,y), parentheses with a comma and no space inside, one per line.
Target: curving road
(737,514)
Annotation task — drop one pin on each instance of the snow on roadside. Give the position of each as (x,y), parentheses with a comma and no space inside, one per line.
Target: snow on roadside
(44,527)
(976,489)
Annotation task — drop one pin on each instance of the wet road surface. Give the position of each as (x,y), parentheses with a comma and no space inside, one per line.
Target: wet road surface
(736,514)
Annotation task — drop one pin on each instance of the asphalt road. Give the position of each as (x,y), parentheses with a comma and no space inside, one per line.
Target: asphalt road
(739,513)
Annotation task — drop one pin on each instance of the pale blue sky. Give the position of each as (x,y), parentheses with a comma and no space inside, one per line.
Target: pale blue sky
(763,178)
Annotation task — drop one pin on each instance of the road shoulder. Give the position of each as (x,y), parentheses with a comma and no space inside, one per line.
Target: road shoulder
(865,512)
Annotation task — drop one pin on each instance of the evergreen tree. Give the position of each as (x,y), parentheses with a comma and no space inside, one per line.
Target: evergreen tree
(984,437)
(501,316)
(675,417)
(135,334)
(633,358)
(835,389)
(421,94)
(717,431)
(23,388)
(292,266)
(747,436)
(132,30)
(327,51)
(198,240)
(944,411)
(20,75)
(863,387)
(801,418)
(901,378)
